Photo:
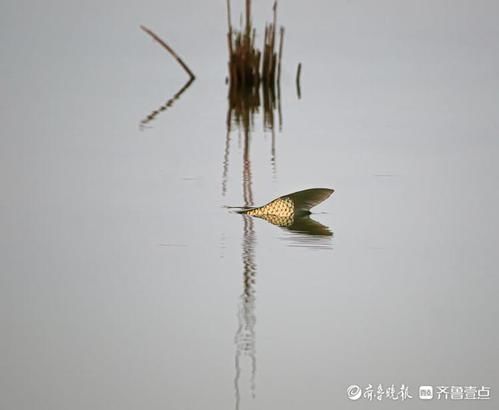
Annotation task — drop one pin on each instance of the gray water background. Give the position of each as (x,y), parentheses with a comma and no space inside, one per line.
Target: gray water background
(121,272)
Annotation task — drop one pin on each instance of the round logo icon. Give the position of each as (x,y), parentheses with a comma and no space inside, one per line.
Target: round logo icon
(354,392)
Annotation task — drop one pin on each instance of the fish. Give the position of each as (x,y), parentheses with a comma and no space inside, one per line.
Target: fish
(285,209)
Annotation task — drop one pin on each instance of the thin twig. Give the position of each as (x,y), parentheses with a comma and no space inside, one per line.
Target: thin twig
(281,41)
(229,34)
(248,18)
(166,105)
(298,73)
(170,50)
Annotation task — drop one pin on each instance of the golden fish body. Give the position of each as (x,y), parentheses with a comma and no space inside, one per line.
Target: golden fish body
(292,205)
(280,207)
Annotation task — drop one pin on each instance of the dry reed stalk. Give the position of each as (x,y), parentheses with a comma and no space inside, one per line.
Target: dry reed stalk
(281,42)
(248,66)
(251,69)
(170,50)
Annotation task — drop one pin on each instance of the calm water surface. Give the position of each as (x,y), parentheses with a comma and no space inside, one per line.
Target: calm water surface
(127,283)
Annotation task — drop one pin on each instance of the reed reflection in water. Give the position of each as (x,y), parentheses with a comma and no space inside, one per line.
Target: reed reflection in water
(166,105)
(305,231)
(254,91)
(245,338)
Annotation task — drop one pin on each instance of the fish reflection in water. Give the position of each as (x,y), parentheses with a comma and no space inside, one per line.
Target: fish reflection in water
(299,224)
(305,232)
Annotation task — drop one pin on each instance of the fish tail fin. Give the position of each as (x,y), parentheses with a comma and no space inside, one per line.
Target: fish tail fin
(307,199)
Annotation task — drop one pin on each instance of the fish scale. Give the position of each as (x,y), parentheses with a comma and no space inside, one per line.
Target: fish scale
(282,207)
